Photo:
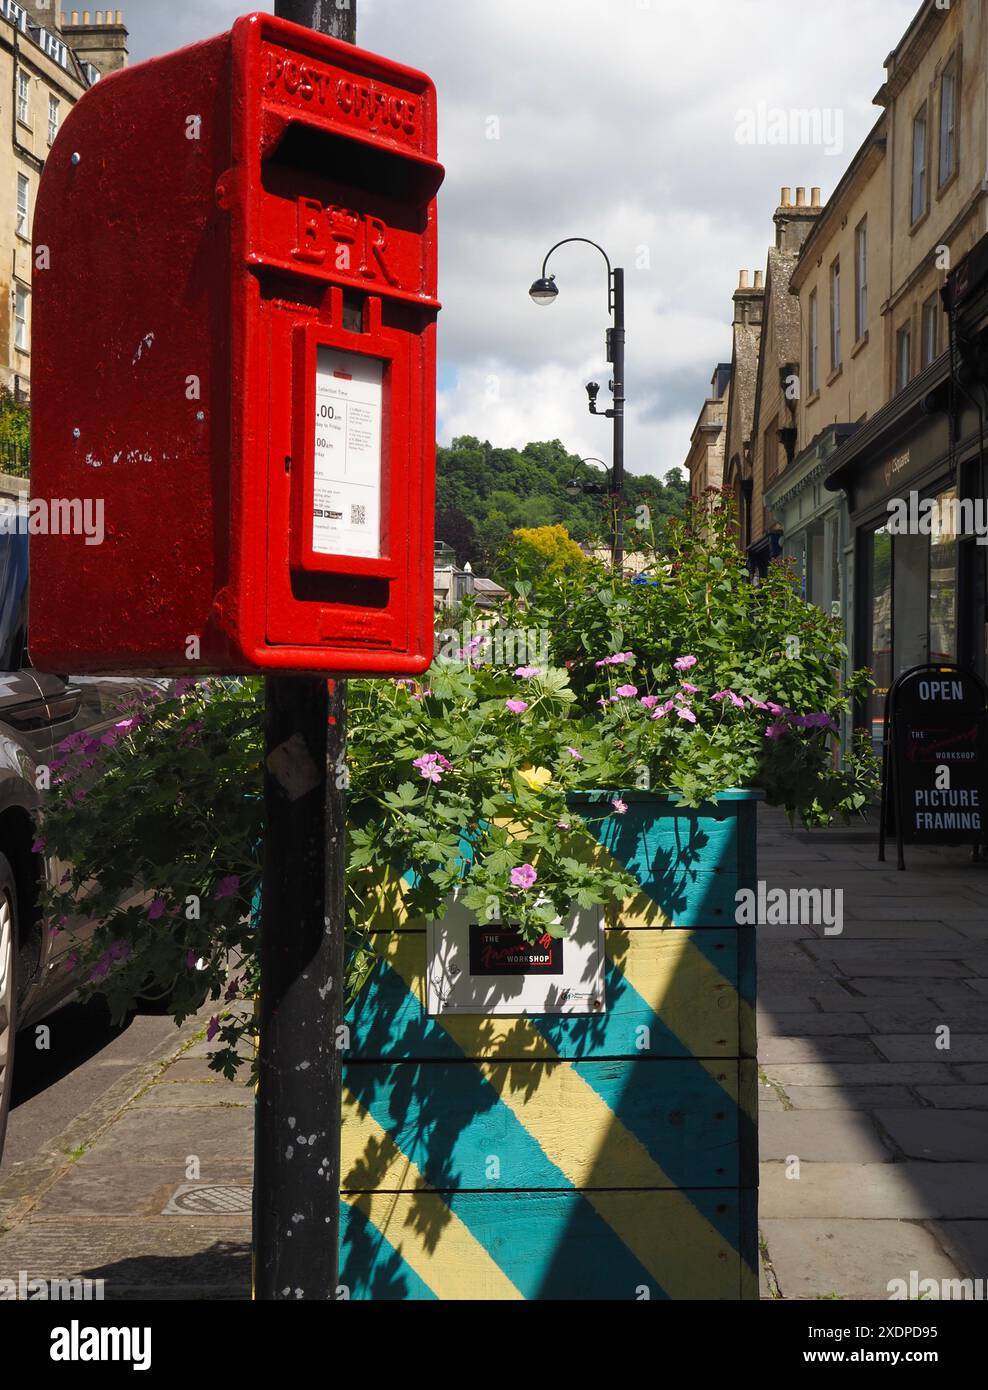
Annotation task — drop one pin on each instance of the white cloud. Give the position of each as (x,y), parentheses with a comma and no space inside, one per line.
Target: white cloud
(617,121)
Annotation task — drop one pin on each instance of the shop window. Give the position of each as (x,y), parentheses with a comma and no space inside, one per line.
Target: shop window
(880,636)
(943,578)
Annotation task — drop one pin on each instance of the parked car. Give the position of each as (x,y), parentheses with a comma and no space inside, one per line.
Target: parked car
(37,711)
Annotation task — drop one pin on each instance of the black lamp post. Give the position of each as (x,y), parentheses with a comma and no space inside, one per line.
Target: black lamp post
(545,291)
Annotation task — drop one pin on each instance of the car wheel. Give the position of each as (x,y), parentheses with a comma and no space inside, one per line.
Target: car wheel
(8,988)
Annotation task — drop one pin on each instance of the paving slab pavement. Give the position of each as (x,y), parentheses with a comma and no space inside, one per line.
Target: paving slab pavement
(150,1193)
(885,1111)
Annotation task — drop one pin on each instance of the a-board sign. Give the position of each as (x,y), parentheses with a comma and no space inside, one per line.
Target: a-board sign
(478,967)
(935,784)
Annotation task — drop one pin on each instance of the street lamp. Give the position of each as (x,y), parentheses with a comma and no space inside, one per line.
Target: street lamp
(577,489)
(545,291)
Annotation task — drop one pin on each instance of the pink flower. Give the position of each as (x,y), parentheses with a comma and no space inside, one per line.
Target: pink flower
(231,990)
(527,672)
(617,659)
(757,704)
(627,692)
(213,1029)
(621,807)
(735,700)
(38,847)
(156,909)
(431,766)
(227,887)
(814,721)
(183,686)
(686,713)
(516,706)
(684,663)
(649,701)
(575,754)
(775,731)
(563,825)
(190,960)
(688,689)
(125,725)
(524,876)
(663,710)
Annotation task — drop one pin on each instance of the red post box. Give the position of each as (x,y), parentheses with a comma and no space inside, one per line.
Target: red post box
(234,364)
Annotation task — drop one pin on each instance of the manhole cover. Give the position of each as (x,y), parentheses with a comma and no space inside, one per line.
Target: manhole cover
(209,1199)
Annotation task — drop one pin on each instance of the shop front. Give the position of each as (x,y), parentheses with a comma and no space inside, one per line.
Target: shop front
(911,482)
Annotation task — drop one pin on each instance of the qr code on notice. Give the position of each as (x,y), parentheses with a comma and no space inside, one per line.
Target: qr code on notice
(358,514)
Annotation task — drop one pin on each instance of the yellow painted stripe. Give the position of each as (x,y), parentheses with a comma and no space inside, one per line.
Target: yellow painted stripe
(677,981)
(617,1151)
(455,1266)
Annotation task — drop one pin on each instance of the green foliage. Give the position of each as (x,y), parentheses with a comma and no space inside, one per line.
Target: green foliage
(499,490)
(15,435)
(689,683)
(762,642)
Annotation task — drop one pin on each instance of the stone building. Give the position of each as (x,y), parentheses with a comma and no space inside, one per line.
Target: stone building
(890,386)
(917,187)
(705,461)
(746,332)
(47,61)
(776,401)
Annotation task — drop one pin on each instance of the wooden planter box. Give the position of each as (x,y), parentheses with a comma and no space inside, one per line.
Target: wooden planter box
(565,1156)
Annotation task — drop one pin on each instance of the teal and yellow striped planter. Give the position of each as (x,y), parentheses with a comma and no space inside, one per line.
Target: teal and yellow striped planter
(606,1156)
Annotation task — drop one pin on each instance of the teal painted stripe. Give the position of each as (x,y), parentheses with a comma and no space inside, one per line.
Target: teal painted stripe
(371,1267)
(438,1149)
(440,1115)
(687,864)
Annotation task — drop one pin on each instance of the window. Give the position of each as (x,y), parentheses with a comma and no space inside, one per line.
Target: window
(861,279)
(20,318)
(943,578)
(903,356)
(23,207)
(918,205)
(948,123)
(813,346)
(23,97)
(52,118)
(931,328)
(835,315)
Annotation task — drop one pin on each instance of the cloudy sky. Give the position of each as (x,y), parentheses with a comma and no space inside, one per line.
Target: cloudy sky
(626,121)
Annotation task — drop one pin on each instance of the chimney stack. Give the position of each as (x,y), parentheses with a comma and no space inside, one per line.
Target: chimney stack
(103,44)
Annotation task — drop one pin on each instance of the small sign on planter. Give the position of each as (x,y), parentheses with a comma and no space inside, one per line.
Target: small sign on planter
(478,967)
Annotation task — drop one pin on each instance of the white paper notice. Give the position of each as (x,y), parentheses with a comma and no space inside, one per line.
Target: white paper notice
(346,504)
